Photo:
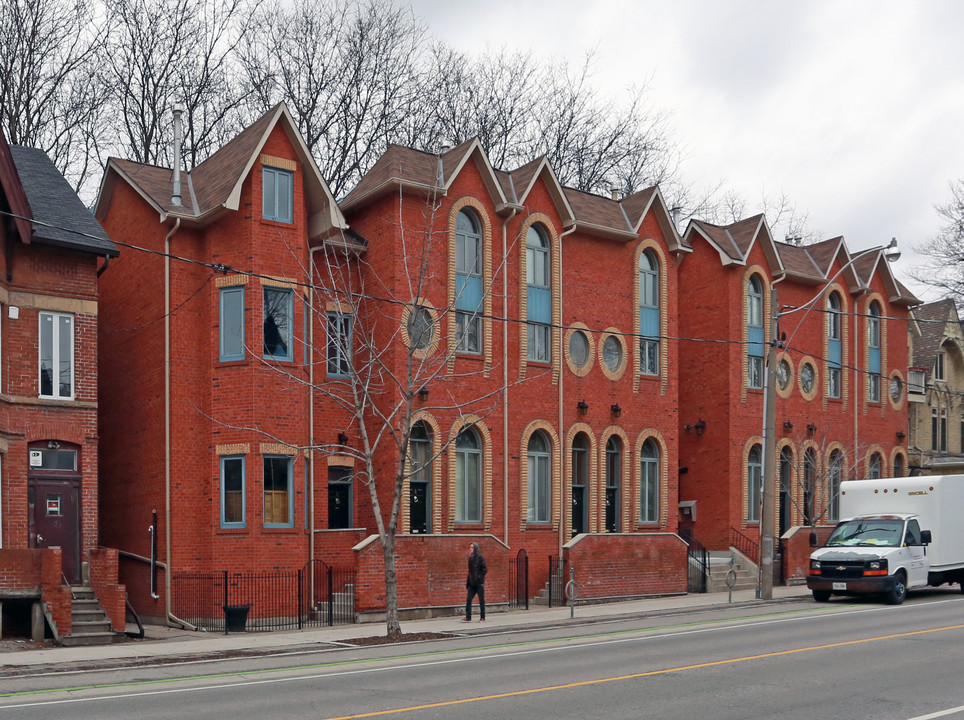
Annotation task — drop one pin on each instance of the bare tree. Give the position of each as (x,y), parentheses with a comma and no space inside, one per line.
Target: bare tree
(49,51)
(943,267)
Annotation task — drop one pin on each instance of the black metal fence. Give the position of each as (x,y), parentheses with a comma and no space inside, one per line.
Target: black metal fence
(750,548)
(519,580)
(232,602)
(557,582)
(697,566)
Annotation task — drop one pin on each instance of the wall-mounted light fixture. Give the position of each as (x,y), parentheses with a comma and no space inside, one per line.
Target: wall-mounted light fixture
(698,427)
(342,438)
(900,435)
(811,428)
(423,392)
(787,425)
(617,411)
(583,407)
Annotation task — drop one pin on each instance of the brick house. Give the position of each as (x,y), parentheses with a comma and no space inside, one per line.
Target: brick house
(841,407)
(53,252)
(547,425)
(935,384)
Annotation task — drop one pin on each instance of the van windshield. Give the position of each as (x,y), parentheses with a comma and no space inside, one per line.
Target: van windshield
(853,533)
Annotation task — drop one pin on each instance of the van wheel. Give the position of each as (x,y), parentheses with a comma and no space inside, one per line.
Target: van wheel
(822,595)
(899,592)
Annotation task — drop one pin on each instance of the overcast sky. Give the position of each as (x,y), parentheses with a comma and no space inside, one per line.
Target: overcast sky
(854,109)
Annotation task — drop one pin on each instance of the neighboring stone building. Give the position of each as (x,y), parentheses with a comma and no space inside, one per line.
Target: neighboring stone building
(936,391)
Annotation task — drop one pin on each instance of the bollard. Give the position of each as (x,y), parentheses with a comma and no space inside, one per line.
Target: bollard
(730,581)
(572,592)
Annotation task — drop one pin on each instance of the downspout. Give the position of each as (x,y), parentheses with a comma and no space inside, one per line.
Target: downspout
(562,340)
(505,379)
(167,423)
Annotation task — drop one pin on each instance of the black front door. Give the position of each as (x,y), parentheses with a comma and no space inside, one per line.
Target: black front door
(612,506)
(578,509)
(339,506)
(55,521)
(418,507)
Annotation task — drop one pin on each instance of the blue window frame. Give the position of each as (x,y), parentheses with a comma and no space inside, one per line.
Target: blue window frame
(539,457)
(279,323)
(754,484)
(277,194)
(468,477)
(754,329)
(231,323)
(278,492)
(649,483)
(648,314)
(538,294)
(339,344)
(232,491)
(873,355)
(468,283)
(834,346)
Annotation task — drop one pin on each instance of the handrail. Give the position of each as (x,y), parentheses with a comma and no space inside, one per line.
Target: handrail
(745,545)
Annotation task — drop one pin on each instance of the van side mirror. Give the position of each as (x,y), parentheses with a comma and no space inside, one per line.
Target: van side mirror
(925,537)
(813,538)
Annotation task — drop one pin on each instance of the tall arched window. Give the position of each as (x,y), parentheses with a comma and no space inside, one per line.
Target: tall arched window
(754,330)
(786,487)
(898,465)
(834,346)
(538,294)
(468,477)
(580,483)
(834,476)
(809,484)
(649,483)
(539,457)
(873,353)
(754,483)
(876,466)
(614,470)
(420,481)
(649,320)
(468,283)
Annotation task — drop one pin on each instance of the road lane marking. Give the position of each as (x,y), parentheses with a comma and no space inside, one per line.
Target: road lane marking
(942,713)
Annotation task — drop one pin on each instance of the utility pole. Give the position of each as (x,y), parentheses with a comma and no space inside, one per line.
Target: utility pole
(767,524)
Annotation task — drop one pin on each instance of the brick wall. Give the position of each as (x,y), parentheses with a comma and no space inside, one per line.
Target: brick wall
(627,565)
(21,572)
(103,581)
(796,549)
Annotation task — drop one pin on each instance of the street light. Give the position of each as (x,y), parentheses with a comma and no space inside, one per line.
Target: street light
(767,516)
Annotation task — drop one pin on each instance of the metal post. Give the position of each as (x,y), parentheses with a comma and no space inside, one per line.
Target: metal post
(225,578)
(301,597)
(765,585)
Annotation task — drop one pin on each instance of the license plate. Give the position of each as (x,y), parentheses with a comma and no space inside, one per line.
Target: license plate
(840,586)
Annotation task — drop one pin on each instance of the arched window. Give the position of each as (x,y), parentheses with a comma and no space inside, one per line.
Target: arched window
(538,294)
(648,313)
(876,466)
(754,329)
(614,469)
(754,483)
(580,483)
(834,346)
(649,483)
(539,473)
(873,353)
(468,477)
(785,489)
(468,283)
(834,476)
(898,465)
(420,481)
(809,484)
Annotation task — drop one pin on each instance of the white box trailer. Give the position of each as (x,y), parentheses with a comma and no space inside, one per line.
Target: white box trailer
(895,534)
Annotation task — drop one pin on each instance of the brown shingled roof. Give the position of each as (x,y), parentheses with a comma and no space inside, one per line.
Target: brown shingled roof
(597,210)
(931,317)
(635,205)
(797,261)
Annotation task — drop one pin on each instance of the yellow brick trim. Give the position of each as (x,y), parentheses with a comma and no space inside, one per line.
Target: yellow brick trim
(765,288)
(339,306)
(795,484)
(816,377)
(486,439)
(823,482)
(230,280)
(897,452)
(745,478)
(625,484)
(903,389)
(278,282)
(591,353)
(555,285)
(486,231)
(884,378)
(657,436)
(276,449)
(435,483)
(566,494)
(37,301)
(277,162)
(883,460)
(232,449)
(844,344)
(783,356)
(406,313)
(555,482)
(657,250)
(624,361)
(341,461)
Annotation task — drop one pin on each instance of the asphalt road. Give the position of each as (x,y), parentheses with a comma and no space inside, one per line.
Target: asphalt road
(849,659)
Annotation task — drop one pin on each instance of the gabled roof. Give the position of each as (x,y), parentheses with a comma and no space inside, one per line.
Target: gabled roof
(622,219)
(12,190)
(735,241)
(57,216)
(215,184)
(933,319)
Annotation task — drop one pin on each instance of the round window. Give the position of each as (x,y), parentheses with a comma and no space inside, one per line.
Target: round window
(579,348)
(807,377)
(419,327)
(783,374)
(895,389)
(612,353)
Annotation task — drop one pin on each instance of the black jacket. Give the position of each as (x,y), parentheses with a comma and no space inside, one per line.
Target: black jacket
(477,569)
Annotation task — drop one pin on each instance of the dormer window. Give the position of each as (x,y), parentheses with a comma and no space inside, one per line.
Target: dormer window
(277,194)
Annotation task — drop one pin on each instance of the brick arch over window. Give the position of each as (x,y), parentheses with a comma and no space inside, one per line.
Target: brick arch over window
(897,452)
(823,483)
(598,492)
(796,481)
(482,216)
(744,473)
(868,456)
(657,437)
(811,447)
(485,437)
(436,485)
(591,481)
(555,258)
(656,251)
(555,482)
(841,293)
(865,359)
(761,275)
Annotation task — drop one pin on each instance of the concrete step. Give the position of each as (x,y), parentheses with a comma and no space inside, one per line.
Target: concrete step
(89,623)
(92,638)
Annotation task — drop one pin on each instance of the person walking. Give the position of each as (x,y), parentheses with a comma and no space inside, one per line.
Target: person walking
(475,583)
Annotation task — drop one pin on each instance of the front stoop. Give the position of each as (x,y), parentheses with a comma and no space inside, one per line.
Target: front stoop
(89,622)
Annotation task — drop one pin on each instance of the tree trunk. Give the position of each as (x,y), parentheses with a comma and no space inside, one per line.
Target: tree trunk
(392,628)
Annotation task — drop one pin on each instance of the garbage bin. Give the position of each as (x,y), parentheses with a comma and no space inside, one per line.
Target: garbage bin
(236,617)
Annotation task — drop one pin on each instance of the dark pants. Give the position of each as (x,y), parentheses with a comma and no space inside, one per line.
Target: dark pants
(474,590)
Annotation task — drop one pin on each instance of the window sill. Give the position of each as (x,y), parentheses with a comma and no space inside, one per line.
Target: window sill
(280,530)
(228,531)
(230,363)
(540,363)
(476,357)
(277,223)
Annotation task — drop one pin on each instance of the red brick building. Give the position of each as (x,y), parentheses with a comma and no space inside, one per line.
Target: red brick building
(53,252)
(841,407)
(539,318)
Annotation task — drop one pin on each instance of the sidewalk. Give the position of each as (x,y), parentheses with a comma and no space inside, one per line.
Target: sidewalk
(166,643)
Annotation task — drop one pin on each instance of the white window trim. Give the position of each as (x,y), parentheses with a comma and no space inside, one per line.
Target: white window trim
(55,340)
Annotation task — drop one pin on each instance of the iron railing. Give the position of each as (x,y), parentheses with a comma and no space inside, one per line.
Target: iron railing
(519,580)
(221,601)
(557,572)
(697,566)
(750,548)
